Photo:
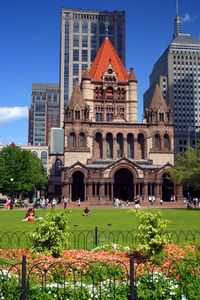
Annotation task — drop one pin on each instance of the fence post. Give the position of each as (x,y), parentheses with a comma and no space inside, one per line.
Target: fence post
(23,277)
(132,296)
(96,236)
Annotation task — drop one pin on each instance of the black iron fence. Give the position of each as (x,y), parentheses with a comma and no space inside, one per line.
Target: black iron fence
(131,279)
(89,239)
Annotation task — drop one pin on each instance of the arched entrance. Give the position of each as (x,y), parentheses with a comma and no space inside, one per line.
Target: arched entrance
(123,185)
(78,186)
(167,188)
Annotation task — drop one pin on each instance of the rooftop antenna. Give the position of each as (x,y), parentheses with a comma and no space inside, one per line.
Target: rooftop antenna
(177,7)
(177,22)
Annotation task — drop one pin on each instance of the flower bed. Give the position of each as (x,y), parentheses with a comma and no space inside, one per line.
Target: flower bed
(102,274)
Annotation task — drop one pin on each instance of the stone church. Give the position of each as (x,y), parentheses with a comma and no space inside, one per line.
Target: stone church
(107,153)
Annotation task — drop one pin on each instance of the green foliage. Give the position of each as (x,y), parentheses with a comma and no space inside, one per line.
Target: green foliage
(24,167)
(187,168)
(151,236)
(50,236)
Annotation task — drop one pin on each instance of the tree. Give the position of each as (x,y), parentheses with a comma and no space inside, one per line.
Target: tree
(187,168)
(23,167)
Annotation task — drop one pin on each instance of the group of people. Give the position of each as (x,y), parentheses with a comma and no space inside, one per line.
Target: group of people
(121,204)
(44,203)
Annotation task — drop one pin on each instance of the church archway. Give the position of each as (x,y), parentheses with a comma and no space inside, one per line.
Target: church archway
(78,186)
(167,188)
(123,184)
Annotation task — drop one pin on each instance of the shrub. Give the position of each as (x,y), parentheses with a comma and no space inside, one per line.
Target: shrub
(151,236)
(50,236)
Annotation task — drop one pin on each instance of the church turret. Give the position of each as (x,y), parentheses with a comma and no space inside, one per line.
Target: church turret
(158,111)
(77,110)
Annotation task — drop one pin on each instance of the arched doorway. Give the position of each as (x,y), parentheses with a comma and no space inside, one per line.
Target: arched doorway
(78,186)
(123,185)
(167,188)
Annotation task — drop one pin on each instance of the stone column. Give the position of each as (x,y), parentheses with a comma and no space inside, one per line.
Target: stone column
(125,150)
(145,191)
(114,148)
(135,191)
(112,191)
(135,148)
(104,148)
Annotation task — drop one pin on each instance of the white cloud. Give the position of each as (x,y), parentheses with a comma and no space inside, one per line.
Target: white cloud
(9,114)
(187,18)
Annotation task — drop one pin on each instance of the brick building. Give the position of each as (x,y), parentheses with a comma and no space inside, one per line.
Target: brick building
(107,153)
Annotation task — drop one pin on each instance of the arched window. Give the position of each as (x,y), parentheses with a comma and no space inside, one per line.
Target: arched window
(76,27)
(166,142)
(98,145)
(44,157)
(161,117)
(93,28)
(77,114)
(109,145)
(58,165)
(82,140)
(109,93)
(84,27)
(35,153)
(130,145)
(99,117)
(120,145)
(72,140)
(157,142)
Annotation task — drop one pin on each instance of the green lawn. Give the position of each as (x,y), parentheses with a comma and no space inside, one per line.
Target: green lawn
(120,219)
(106,220)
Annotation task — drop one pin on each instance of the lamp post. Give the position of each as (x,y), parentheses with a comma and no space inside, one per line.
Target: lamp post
(12,200)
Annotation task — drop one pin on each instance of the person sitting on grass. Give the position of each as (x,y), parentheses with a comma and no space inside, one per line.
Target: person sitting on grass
(30,214)
(86,212)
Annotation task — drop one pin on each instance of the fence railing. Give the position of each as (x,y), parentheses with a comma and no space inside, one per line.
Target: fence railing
(131,279)
(89,239)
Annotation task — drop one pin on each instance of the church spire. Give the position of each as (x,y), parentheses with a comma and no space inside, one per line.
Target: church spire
(177,22)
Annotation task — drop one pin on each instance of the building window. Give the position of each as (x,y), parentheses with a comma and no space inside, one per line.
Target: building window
(84,27)
(99,117)
(44,157)
(84,41)
(93,28)
(75,55)
(92,55)
(82,140)
(72,140)
(75,69)
(93,41)
(167,142)
(84,55)
(58,165)
(101,28)
(76,27)
(157,142)
(76,40)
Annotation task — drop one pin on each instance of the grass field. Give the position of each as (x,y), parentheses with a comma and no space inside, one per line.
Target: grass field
(119,219)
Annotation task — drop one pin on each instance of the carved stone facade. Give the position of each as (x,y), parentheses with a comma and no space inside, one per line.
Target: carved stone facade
(107,153)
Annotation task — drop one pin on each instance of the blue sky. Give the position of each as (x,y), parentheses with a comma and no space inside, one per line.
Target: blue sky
(29,51)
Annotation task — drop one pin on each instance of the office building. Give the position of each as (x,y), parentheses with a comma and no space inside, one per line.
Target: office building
(178,73)
(82,33)
(43,113)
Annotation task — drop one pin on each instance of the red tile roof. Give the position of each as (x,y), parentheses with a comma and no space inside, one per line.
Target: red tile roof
(107,55)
